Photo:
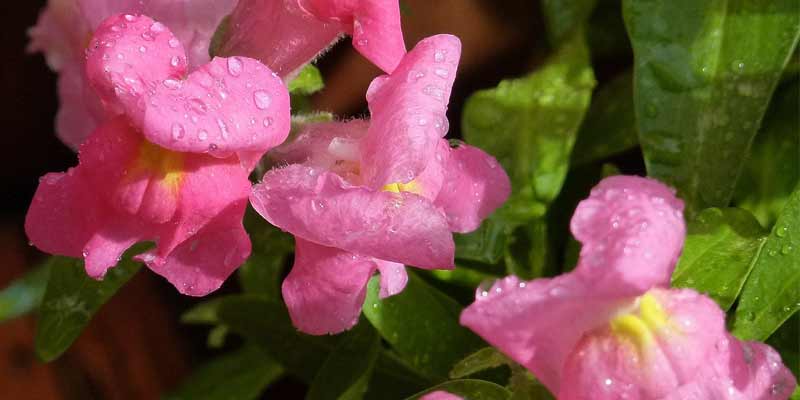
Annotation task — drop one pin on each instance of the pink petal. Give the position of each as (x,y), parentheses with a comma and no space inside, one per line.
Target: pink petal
(610,365)
(200,264)
(334,146)
(393,278)
(119,195)
(326,288)
(520,319)
(131,55)
(440,395)
(278,33)
(374,25)
(632,232)
(408,112)
(472,174)
(321,207)
(228,105)
(81,111)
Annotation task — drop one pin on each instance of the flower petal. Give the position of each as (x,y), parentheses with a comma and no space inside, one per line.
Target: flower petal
(520,319)
(321,207)
(228,105)
(472,174)
(200,264)
(440,395)
(632,232)
(130,55)
(374,25)
(278,33)
(408,112)
(326,288)
(334,146)
(393,278)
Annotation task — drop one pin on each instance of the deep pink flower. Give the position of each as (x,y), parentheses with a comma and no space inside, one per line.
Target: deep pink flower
(285,34)
(608,330)
(363,196)
(63,31)
(165,169)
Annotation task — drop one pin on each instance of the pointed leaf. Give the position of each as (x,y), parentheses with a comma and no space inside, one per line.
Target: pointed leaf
(704,72)
(421,324)
(720,250)
(347,371)
(24,294)
(483,359)
(772,292)
(72,298)
(565,16)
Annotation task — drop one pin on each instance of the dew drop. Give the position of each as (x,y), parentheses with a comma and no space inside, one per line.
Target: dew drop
(234,66)
(172,84)
(438,55)
(267,122)
(202,135)
(129,18)
(198,106)
(261,99)
(142,49)
(147,36)
(177,131)
(157,27)
(173,43)
(786,249)
(223,128)
(782,231)
(175,61)
(414,75)
(433,91)
(441,72)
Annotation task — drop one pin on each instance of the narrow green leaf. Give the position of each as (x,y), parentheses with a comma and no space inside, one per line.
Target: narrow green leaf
(773,169)
(530,123)
(704,73)
(524,386)
(239,375)
(565,16)
(422,326)
(347,371)
(24,294)
(772,292)
(307,81)
(470,389)
(610,125)
(719,253)
(483,359)
(72,298)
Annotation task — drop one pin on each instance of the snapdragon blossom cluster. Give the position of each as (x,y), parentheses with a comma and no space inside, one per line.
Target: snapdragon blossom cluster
(179,134)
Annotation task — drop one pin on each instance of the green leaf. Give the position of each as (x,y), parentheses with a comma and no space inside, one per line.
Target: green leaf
(486,244)
(483,359)
(786,341)
(524,385)
(565,16)
(469,389)
(239,375)
(421,324)
(262,271)
(773,169)
(266,322)
(530,123)
(347,371)
(704,73)
(720,250)
(219,35)
(72,298)
(610,125)
(307,81)
(24,294)
(772,292)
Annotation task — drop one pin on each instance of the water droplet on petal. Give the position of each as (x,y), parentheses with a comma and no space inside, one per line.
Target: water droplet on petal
(261,99)
(142,49)
(267,122)
(129,18)
(177,131)
(433,91)
(173,43)
(175,61)
(202,135)
(234,66)
(157,27)
(147,36)
(441,72)
(172,84)
(438,55)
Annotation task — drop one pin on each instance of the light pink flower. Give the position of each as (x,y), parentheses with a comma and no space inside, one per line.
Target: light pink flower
(285,34)
(63,31)
(364,196)
(608,330)
(165,169)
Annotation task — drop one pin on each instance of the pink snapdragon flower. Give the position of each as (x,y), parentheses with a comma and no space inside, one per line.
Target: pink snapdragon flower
(361,196)
(440,395)
(171,168)
(610,329)
(63,32)
(286,34)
